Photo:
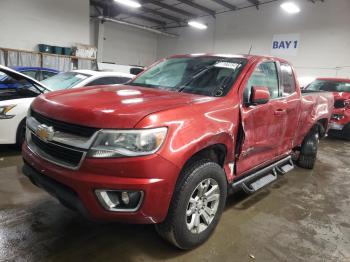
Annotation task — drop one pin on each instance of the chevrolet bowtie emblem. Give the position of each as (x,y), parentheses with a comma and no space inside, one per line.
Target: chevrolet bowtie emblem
(45,133)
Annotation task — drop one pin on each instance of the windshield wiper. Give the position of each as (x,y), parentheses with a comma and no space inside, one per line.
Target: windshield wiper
(200,72)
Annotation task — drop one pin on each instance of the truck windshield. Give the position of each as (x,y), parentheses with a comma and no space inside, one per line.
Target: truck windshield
(331,86)
(210,76)
(64,80)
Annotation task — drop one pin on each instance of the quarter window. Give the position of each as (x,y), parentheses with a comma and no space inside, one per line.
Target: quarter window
(265,74)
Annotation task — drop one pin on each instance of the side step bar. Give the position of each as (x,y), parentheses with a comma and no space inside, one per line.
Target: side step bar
(265,176)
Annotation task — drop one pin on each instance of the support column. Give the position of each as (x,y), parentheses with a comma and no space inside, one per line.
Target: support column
(100,40)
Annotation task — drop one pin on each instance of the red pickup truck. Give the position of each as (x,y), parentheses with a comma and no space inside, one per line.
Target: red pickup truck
(168,147)
(340,87)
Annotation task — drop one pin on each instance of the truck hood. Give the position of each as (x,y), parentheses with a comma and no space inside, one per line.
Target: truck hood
(109,106)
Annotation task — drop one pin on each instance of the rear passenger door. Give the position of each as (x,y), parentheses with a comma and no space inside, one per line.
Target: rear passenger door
(263,125)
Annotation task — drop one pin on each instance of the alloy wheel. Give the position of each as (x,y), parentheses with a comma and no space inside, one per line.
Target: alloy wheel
(202,205)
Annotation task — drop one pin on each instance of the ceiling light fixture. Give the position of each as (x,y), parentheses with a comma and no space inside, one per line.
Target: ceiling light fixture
(290,7)
(197,25)
(129,3)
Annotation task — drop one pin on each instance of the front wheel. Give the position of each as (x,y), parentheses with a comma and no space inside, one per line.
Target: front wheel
(21,132)
(308,151)
(196,207)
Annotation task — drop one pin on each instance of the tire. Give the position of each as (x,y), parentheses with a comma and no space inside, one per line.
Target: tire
(346,132)
(199,177)
(308,151)
(20,135)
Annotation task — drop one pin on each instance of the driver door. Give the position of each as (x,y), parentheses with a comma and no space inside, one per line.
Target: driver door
(263,125)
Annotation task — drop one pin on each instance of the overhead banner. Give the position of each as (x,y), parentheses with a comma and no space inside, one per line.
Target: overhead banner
(285,45)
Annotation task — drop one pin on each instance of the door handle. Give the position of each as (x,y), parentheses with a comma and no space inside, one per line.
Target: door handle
(280,112)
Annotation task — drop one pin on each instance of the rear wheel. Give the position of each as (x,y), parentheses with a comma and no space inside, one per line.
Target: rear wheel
(196,207)
(308,151)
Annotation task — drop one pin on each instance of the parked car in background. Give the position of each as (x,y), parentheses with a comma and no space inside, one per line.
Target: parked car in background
(36,73)
(80,78)
(340,122)
(305,81)
(20,91)
(168,146)
(15,100)
(130,69)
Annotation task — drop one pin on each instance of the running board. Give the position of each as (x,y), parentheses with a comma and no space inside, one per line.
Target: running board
(285,168)
(265,176)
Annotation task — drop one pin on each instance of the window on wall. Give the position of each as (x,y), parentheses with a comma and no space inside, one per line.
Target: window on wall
(265,74)
(288,81)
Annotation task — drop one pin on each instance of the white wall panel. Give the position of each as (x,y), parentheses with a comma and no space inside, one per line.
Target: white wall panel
(323,28)
(129,46)
(26,23)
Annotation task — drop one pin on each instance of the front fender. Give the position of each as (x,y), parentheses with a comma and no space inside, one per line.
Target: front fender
(194,127)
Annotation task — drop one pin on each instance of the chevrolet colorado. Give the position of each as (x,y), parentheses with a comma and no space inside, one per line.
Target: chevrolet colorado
(167,147)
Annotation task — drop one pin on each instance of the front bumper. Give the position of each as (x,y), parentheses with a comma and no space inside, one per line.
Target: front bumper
(339,130)
(153,175)
(8,130)
(336,126)
(339,125)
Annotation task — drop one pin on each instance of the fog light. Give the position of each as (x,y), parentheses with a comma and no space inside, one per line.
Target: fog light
(120,201)
(125,198)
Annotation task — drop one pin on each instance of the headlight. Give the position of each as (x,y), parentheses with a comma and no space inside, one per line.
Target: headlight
(127,143)
(4,110)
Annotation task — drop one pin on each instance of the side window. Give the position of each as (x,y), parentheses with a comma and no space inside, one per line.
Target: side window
(47,74)
(265,74)
(14,87)
(31,73)
(108,81)
(288,81)
(121,80)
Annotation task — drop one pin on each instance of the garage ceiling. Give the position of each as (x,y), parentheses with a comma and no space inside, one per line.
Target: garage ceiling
(163,14)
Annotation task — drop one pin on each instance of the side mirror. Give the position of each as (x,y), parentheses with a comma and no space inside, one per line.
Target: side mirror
(260,95)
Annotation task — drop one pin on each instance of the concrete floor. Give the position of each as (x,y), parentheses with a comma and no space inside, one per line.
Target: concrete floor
(304,216)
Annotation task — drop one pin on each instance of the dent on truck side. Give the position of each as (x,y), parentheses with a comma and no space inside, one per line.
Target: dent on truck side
(206,122)
(316,108)
(191,128)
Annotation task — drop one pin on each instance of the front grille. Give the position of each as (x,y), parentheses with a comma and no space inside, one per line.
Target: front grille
(64,155)
(63,126)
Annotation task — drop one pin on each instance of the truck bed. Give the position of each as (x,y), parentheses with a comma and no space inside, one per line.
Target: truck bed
(315,107)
